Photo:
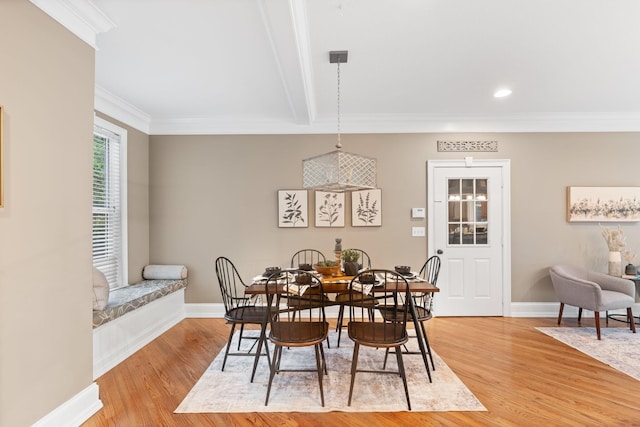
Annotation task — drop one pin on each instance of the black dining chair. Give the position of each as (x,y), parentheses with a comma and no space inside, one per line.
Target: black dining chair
(377,331)
(423,304)
(310,257)
(292,327)
(343,299)
(307,256)
(242,310)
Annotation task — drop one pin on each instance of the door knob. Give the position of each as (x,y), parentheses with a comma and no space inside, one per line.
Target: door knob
(439,252)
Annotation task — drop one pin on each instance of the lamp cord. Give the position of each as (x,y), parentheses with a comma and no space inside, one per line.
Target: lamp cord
(339,144)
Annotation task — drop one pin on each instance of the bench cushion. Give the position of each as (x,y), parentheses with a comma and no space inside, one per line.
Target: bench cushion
(129,298)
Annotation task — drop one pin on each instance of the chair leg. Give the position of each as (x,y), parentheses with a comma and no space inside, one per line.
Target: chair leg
(579,314)
(403,375)
(560,313)
(240,337)
(386,356)
(426,343)
(597,315)
(324,361)
(276,353)
(354,365)
(319,364)
(226,352)
(262,340)
(632,322)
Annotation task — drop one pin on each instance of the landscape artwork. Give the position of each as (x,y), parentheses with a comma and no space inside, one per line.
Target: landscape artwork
(603,204)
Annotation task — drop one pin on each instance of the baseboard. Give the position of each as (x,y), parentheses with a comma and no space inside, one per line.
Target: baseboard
(550,309)
(118,339)
(74,411)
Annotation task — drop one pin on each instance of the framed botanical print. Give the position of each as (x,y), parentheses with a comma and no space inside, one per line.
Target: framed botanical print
(293,211)
(329,209)
(366,208)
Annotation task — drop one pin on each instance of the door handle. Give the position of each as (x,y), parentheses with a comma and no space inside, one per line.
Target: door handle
(439,252)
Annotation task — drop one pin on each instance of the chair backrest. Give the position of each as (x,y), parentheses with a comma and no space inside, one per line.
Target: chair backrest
(431,269)
(307,256)
(232,286)
(389,287)
(298,308)
(364,259)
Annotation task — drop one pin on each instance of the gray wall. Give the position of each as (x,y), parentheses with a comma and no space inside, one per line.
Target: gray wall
(216,195)
(46,89)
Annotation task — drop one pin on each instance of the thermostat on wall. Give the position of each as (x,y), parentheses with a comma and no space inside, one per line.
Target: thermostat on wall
(417,212)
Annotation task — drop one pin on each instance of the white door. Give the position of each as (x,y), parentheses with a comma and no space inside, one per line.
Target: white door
(469,231)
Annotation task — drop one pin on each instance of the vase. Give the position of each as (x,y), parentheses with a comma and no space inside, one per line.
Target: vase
(351,268)
(630,270)
(615,263)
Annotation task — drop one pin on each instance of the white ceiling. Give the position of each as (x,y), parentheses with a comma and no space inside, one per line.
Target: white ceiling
(262,66)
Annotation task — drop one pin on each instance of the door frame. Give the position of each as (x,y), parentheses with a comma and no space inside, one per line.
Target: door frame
(469,162)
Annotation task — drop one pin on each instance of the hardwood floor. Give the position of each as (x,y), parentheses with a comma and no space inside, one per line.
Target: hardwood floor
(520,375)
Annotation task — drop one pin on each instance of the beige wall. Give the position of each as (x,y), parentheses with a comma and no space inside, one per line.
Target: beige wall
(46,88)
(137,198)
(216,195)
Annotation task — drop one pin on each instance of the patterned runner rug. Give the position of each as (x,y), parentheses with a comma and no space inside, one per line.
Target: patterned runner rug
(618,348)
(231,391)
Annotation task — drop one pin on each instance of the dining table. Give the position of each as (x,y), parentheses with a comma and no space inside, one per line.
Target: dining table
(337,284)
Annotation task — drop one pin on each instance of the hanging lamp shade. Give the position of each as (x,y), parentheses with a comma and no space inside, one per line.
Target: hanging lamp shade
(339,170)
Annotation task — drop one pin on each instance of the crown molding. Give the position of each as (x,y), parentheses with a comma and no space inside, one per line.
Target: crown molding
(81,17)
(113,106)
(559,122)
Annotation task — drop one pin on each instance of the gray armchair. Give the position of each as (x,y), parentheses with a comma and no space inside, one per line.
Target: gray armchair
(592,291)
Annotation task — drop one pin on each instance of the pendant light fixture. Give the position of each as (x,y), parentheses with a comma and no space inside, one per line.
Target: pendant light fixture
(339,170)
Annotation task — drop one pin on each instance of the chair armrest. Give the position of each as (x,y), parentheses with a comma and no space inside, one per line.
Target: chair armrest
(611,283)
(575,291)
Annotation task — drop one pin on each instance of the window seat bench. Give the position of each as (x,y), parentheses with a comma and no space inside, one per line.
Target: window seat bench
(128,298)
(137,314)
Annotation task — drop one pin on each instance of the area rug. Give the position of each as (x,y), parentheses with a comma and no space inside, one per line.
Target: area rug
(231,391)
(618,348)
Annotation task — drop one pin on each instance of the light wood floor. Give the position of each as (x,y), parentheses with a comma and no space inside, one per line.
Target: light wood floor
(522,377)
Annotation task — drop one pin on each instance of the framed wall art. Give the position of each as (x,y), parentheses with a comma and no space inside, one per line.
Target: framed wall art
(329,209)
(293,210)
(603,204)
(366,208)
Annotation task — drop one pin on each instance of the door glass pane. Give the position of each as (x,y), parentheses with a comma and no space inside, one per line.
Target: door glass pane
(468,211)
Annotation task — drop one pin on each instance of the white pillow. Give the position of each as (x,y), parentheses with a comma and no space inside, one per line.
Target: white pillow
(100,290)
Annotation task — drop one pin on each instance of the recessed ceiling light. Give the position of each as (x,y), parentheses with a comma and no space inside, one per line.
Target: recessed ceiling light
(502,93)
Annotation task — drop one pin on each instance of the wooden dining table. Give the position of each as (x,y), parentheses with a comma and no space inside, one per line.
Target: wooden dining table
(340,284)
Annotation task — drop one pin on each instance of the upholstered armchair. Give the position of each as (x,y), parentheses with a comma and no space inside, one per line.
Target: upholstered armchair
(592,291)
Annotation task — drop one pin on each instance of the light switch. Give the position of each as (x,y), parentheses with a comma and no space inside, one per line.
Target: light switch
(417,231)
(417,212)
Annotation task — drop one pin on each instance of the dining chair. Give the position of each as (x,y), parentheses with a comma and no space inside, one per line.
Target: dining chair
(241,310)
(343,299)
(376,331)
(307,256)
(309,326)
(423,305)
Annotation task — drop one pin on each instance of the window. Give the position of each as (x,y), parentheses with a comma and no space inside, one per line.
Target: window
(468,222)
(109,202)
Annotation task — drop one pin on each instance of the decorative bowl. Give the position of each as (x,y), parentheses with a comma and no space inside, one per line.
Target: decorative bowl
(403,269)
(334,270)
(269,271)
(303,279)
(305,267)
(367,277)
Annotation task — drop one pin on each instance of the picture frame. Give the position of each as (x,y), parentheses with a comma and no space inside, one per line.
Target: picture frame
(603,204)
(1,156)
(366,208)
(329,209)
(293,209)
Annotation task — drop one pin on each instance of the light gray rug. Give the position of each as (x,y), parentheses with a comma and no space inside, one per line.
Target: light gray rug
(618,348)
(231,391)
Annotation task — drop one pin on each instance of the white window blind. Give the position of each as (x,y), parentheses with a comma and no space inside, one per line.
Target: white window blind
(109,211)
